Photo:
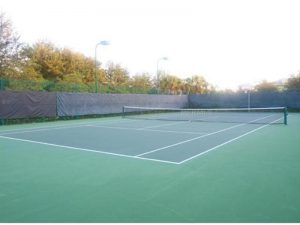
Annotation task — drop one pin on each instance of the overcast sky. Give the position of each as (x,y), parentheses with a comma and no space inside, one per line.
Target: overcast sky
(229,42)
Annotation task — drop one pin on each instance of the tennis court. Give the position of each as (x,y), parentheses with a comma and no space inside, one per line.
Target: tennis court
(165,167)
(164,136)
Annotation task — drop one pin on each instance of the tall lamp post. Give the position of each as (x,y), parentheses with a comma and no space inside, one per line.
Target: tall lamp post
(157,73)
(96,77)
(248,92)
(249,99)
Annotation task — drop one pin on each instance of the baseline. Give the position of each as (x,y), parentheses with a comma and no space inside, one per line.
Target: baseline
(87,150)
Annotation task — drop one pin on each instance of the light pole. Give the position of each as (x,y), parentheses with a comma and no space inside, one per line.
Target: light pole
(248,92)
(96,78)
(157,73)
(249,99)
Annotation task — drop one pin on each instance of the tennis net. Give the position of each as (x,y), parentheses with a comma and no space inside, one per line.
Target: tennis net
(271,115)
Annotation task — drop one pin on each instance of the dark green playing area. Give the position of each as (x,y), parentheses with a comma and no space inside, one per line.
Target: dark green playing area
(133,170)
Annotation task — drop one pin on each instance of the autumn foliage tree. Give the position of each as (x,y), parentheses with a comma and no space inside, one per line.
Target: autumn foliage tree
(141,82)
(10,49)
(170,84)
(293,83)
(55,64)
(44,62)
(196,85)
(266,86)
(116,75)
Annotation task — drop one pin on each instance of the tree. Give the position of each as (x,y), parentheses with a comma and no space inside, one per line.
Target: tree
(116,75)
(54,64)
(45,59)
(196,85)
(141,83)
(266,86)
(293,83)
(29,68)
(170,84)
(10,48)
(76,63)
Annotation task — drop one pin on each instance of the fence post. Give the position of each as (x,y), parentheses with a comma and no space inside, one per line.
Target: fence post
(2,85)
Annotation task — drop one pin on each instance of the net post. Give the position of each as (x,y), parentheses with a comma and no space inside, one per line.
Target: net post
(285,115)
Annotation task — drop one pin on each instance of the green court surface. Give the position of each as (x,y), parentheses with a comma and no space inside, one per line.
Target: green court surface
(125,170)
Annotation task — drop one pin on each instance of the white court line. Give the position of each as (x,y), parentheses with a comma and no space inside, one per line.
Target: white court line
(46,129)
(163,125)
(156,160)
(64,125)
(202,136)
(231,140)
(147,130)
(109,127)
(173,131)
(27,130)
(87,150)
